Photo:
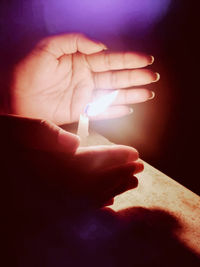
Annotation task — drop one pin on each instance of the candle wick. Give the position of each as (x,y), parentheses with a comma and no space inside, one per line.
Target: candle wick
(86,110)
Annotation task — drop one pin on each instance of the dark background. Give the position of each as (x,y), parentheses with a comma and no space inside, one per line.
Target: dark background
(164,130)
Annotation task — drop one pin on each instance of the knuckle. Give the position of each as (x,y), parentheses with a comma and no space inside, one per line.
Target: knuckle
(46,124)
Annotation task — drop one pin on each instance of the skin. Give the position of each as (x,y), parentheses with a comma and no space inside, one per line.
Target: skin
(64,73)
(40,152)
(51,86)
(45,179)
(46,175)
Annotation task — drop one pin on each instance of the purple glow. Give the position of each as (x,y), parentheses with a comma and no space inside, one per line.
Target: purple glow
(103,16)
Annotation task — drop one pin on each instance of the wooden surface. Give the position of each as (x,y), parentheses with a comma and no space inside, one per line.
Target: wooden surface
(158,191)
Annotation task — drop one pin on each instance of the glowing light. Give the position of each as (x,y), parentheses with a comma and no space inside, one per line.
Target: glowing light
(93,109)
(100,105)
(103,16)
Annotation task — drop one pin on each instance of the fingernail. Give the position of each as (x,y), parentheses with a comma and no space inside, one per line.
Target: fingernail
(156,77)
(152,95)
(151,61)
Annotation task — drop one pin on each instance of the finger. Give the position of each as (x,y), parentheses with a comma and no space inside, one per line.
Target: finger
(109,202)
(37,134)
(113,112)
(107,199)
(124,78)
(130,183)
(108,180)
(115,181)
(101,186)
(132,96)
(139,166)
(129,96)
(103,157)
(70,43)
(116,61)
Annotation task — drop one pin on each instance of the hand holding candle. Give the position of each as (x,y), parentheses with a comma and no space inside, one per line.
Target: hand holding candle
(39,156)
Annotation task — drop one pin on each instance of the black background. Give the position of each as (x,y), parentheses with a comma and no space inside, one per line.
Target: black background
(174,43)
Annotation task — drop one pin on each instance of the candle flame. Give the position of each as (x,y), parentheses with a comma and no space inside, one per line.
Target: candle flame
(100,105)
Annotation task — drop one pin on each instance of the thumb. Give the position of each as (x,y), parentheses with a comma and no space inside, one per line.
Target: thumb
(19,132)
(70,43)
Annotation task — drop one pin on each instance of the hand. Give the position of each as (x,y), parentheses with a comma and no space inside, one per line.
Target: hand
(41,164)
(64,73)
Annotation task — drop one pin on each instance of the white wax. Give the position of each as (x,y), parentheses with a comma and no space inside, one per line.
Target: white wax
(83,127)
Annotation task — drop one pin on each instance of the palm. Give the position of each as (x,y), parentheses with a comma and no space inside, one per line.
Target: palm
(55,94)
(57,85)
(74,91)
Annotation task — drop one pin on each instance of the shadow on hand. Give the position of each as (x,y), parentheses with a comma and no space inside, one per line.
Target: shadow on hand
(49,223)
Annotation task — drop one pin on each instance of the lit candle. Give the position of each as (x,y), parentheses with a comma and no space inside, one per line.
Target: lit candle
(93,109)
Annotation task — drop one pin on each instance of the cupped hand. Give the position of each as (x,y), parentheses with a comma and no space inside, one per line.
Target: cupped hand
(64,73)
(41,163)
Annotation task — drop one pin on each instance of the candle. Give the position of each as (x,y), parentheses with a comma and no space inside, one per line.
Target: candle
(93,109)
(83,128)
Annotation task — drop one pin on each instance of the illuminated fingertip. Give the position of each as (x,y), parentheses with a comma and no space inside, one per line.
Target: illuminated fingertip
(151,96)
(151,60)
(157,77)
